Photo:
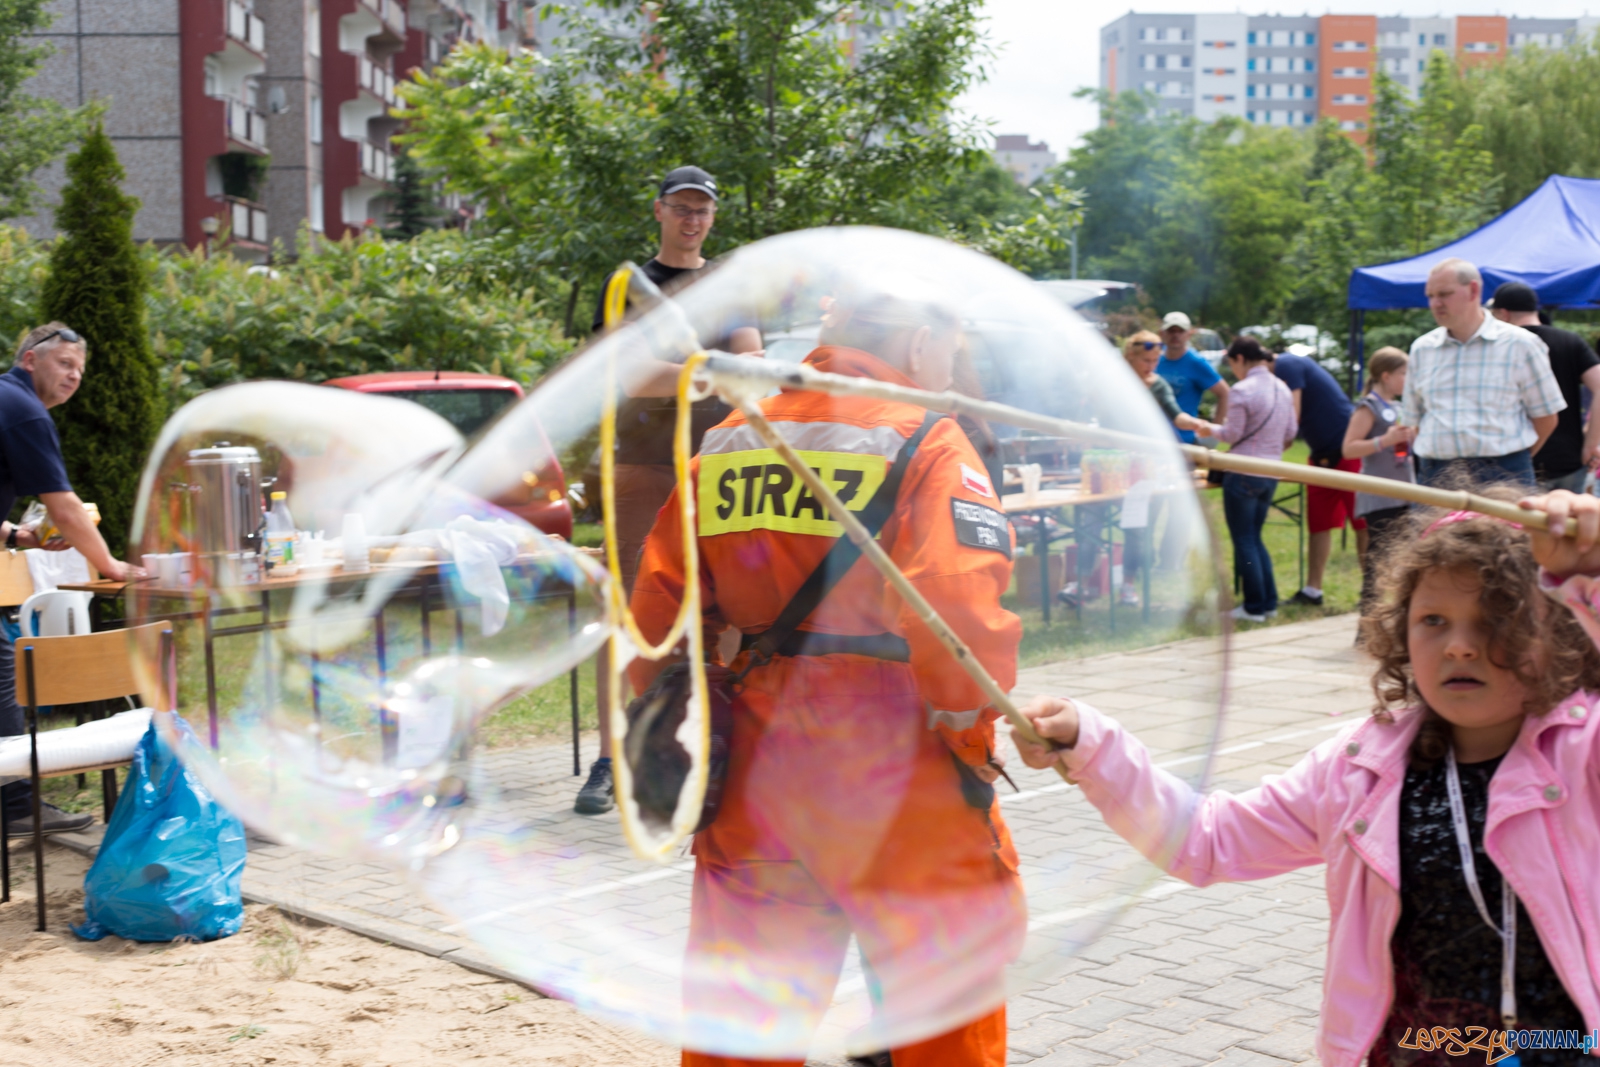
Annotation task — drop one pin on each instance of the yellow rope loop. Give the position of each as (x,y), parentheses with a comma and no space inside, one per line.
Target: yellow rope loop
(689,608)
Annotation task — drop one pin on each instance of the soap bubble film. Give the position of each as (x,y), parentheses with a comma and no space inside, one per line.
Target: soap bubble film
(849,896)
(855,891)
(335,697)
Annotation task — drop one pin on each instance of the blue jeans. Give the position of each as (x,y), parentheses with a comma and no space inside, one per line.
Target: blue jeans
(1516,468)
(1245,502)
(16,796)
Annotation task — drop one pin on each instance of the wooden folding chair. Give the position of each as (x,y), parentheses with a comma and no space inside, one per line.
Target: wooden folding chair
(74,670)
(16,583)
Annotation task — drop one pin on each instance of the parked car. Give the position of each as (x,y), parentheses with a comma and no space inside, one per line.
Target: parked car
(469,402)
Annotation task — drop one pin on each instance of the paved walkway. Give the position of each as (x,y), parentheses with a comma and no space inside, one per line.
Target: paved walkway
(1225,975)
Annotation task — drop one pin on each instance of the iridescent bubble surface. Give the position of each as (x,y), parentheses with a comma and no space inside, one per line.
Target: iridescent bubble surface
(847,897)
(336,697)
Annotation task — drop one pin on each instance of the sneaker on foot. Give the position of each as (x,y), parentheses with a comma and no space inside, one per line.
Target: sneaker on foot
(1303,597)
(54,820)
(1129,597)
(1241,615)
(598,795)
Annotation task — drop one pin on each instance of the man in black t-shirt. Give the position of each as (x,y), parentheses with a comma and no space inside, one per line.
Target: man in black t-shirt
(685,207)
(1571,449)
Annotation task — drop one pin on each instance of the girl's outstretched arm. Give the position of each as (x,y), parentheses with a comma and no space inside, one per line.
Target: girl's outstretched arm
(1276,827)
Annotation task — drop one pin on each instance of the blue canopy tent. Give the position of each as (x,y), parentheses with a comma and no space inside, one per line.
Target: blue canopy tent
(1550,242)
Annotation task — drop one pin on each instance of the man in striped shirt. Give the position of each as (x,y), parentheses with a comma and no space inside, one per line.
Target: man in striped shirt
(1480,391)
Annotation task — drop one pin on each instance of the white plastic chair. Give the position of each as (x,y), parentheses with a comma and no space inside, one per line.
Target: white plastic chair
(59,613)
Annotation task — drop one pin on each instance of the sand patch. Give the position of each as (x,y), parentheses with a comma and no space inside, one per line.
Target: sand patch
(278,992)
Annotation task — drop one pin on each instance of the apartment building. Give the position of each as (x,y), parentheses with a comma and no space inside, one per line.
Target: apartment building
(1023,159)
(1293,70)
(244,119)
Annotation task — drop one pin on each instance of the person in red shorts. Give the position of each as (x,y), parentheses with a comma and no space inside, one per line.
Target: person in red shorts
(1324,412)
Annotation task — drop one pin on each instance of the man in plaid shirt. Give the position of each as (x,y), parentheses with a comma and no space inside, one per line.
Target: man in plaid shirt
(1480,391)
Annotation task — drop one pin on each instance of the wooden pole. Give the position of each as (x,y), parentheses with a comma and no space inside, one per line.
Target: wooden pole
(880,559)
(736,374)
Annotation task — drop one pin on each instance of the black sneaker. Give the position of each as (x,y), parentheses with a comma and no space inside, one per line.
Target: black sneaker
(54,819)
(1303,597)
(873,1059)
(598,795)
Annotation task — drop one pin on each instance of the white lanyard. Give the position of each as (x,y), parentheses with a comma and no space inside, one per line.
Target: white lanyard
(1508,899)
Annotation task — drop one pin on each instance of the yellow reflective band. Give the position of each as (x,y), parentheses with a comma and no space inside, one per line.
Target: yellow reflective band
(756,490)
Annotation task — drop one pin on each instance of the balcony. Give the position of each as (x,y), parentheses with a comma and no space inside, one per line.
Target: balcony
(394,15)
(375,79)
(245,124)
(246,27)
(247,221)
(376,163)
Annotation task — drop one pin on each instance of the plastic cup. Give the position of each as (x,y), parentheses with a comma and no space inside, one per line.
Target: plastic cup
(1032,475)
(354,539)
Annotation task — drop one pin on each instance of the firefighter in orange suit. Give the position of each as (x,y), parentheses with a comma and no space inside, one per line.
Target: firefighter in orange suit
(858,797)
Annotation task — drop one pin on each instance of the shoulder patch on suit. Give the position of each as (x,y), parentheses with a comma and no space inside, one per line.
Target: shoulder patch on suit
(981,527)
(976,482)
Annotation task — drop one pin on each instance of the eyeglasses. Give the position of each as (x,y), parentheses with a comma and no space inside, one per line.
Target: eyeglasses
(69,336)
(683,211)
(1148,345)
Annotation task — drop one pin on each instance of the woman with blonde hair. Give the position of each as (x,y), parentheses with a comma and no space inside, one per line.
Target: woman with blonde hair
(1143,353)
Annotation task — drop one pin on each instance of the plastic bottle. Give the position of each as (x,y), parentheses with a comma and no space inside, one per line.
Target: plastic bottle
(280,538)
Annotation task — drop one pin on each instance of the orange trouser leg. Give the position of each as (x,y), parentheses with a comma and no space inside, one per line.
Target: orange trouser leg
(980,1043)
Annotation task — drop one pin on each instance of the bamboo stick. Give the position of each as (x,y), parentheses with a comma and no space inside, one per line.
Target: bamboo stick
(880,559)
(731,372)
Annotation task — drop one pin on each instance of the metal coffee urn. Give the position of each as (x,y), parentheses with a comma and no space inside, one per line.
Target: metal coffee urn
(225,495)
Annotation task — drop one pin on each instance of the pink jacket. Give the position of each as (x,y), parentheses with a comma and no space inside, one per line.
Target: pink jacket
(1340,805)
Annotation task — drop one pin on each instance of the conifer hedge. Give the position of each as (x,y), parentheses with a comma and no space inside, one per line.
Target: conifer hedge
(96,284)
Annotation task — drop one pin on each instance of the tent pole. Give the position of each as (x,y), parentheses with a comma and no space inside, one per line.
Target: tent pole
(1358,346)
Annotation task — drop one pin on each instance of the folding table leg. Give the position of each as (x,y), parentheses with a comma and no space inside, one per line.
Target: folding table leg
(38,785)
(108,791)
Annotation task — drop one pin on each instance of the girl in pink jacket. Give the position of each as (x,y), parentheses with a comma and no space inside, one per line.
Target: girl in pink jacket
(1479,768)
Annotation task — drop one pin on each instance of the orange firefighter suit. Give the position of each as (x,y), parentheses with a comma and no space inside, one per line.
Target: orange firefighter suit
(844,811)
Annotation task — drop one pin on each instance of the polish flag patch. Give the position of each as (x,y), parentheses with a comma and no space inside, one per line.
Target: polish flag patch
(976,481)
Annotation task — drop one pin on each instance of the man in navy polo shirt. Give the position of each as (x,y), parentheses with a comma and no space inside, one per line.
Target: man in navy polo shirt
(1324,413)
(47,371)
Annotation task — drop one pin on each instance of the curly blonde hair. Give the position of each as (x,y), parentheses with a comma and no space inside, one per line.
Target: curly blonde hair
(1536,639)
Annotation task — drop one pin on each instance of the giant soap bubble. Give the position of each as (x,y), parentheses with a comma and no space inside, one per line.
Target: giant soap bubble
(852,892)
(337,694)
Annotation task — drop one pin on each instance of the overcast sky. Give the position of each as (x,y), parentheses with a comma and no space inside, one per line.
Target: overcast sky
(1048,48)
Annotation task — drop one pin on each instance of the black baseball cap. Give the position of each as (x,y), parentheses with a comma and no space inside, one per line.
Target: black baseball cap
(1515,296)
(688,178)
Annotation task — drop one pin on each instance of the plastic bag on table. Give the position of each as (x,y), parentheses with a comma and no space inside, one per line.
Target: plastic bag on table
(172,858)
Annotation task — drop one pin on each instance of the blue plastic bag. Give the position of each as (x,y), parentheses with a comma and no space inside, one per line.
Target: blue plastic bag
(171,860)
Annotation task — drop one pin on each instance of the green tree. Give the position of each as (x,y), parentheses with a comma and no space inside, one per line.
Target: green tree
(809,112)
(33,132)
(96,284)
(1538,110)
(414,211)
(1201,215)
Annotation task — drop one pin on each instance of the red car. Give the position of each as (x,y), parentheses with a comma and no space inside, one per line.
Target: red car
(469,402)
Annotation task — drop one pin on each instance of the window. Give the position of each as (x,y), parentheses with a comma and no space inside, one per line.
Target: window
(1250,116)
(1422,40)
(1352,125)
(314,30)
(1440,40)
(212,84)
(1250,64)
(1349,72)
(1151,87)
(316,207)
(1311,65)
(1422,65)
(1307,118)
(1481,47)
(1219,44)
(1250,90)
(1311,91)
(1349,46)
(1250,38)
(1147,62)
(1311,39)
(1349,98)
(1221,99)
(314,118)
